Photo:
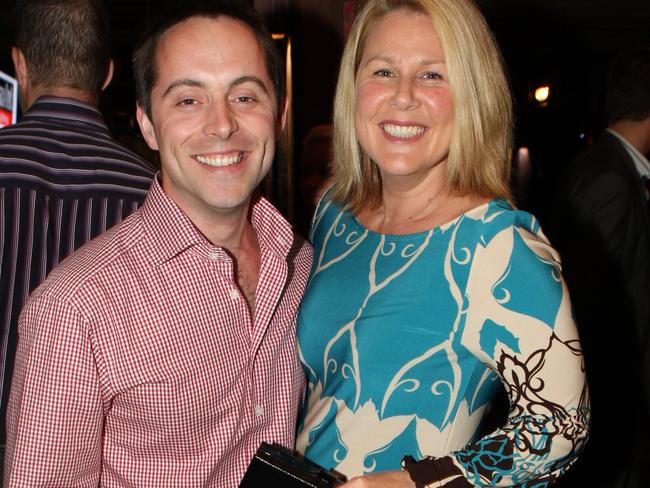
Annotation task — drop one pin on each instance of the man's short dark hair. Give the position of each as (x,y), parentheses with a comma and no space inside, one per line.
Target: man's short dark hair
(65,42)
(144,69)
(628,86)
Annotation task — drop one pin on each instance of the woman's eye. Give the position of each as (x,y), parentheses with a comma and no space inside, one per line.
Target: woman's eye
(384,73)
(432,75)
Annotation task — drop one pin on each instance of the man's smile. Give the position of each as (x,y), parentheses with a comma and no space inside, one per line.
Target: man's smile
(219,160)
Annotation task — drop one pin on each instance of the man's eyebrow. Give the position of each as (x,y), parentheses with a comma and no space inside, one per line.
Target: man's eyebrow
(249,79)
(183,82)
(196,83)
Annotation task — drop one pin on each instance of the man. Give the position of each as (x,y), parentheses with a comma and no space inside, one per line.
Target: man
(164,352)
(63,180)
(604,238)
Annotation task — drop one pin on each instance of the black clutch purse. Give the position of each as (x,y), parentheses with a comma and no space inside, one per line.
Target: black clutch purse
(274,465)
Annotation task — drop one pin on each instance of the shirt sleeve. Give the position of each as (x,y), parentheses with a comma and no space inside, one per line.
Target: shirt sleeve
(519,323)
(55,413)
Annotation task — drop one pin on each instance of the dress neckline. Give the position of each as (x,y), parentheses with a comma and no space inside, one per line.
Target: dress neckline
(434,230)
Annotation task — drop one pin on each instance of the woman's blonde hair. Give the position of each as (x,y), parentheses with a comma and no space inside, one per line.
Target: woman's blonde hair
(479,159)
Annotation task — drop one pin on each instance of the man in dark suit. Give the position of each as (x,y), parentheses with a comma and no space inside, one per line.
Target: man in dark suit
(602,230)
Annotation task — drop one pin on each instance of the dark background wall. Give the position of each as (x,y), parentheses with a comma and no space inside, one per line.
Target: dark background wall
(565,43)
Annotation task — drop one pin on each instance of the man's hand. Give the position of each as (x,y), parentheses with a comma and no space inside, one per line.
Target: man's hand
(387,479)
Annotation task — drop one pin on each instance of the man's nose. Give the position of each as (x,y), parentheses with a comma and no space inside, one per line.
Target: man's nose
(220,121)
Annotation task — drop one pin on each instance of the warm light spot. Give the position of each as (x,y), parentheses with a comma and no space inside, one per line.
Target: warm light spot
(542,93)
(277,36)
(523,169)
(523,155)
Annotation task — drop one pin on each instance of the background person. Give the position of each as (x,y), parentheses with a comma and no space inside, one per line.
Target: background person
(63,179)
(429,292)
(603,232)
(164,352)
(314,171)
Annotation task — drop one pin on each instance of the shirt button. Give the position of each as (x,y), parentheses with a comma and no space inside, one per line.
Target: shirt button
(213,256)
(259,410)
(281,241)
(234,293)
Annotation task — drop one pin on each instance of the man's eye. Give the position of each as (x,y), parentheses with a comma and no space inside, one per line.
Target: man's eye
(187,102)
(244,99)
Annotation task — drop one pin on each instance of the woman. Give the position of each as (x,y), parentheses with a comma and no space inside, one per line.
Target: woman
(429,291)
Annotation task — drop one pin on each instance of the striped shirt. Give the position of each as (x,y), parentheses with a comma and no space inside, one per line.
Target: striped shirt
(63,181)
(139,363)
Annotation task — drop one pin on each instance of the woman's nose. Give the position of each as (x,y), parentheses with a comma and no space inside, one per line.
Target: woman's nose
(404,97)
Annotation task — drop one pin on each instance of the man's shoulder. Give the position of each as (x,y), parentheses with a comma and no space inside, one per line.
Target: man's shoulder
(80,146)
(46,162)
(301,252)
(104,259)
(604,168)
(122,153)
(275,230)
(605,155)
(600,187)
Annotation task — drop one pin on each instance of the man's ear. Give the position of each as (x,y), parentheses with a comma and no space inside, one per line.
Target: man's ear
(146,127)
(283,111)
(109,75)
(20,66)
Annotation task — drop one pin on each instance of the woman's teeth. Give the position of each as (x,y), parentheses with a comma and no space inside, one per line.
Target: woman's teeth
(403,131)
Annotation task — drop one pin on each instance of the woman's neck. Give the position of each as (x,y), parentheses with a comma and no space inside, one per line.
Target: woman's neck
(417,211)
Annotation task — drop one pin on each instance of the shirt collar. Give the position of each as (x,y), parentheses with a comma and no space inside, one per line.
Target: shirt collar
(67,109)
(641,163)
(173,232)
(273,231)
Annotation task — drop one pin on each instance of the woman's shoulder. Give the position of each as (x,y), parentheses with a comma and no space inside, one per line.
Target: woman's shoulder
(501,227)
(328,213)
(499,214)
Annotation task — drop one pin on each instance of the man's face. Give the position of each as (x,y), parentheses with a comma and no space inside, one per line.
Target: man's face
(214,116)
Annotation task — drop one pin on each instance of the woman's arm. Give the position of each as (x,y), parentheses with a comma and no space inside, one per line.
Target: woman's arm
(518,322)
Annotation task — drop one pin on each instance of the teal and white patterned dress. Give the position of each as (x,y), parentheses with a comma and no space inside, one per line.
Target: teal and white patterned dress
(406,340)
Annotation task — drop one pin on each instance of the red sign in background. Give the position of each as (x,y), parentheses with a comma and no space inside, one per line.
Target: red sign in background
(5,117)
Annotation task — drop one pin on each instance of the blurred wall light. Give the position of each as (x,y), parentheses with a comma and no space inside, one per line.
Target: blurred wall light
(523,172)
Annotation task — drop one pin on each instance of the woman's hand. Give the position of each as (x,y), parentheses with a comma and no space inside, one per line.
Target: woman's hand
(387,479)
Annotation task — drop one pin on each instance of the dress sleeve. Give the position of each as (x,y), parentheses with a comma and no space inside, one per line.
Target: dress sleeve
(519,323)
(55,412)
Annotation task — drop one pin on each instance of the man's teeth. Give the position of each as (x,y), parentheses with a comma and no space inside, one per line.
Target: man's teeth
(403,131)
(220,160)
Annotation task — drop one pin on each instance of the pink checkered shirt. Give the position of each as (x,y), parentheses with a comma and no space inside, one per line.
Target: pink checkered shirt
(139,364)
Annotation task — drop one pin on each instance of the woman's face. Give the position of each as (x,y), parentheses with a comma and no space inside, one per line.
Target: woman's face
(403,112)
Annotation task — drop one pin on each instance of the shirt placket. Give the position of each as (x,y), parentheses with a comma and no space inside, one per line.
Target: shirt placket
(253,395)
